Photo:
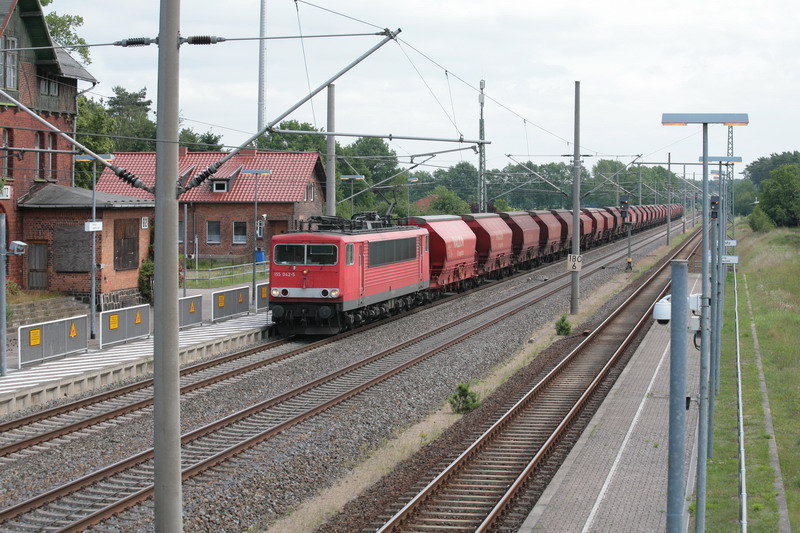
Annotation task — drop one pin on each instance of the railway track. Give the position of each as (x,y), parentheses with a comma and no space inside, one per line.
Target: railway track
(27,432)
(93,498)
(472,493)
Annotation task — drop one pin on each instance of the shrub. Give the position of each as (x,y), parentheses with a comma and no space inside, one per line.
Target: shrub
(146,273)
(563,327)
(760,221)
(464,400)
(12,287)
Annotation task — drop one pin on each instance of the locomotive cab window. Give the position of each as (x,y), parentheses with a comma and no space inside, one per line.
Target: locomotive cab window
(321,254)
(305,254)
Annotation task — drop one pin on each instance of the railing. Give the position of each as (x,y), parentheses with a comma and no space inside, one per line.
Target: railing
(210,278)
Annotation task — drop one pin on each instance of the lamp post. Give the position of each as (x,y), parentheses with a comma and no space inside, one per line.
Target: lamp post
(351,178)
(682,119)
(255,173)
(93,226)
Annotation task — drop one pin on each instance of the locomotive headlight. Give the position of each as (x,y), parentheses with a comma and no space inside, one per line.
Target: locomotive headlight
(275,292)
(334,293)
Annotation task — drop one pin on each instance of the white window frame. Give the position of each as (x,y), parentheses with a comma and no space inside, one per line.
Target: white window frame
(9,62)
(309,194)
(219,186)
(260,228)
(38,144)
(5,155)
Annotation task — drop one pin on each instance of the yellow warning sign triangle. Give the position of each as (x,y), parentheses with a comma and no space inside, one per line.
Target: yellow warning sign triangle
(191,307)
(241,298)
(138,317)
(73,331)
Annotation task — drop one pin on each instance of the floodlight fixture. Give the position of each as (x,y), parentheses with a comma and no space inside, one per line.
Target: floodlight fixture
(682,119)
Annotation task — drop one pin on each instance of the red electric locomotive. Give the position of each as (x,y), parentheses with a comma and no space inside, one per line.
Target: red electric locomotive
(326,281)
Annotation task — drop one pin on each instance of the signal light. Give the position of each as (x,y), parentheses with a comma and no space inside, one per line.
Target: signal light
(714,206)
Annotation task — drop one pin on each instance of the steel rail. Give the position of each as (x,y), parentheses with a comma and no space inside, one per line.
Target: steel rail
(66,429)
(396,522)
(88,480)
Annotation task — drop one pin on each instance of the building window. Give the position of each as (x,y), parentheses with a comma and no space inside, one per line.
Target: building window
(219,186)
(6,165)
(126,244)
(180,231)
(309,196)
(50,157)
(239,232)
(44,86)
(53,88)
(212,231)
(39,156)
(8,62)
(260,228)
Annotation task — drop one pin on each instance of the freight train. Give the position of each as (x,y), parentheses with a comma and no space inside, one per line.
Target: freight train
(338,274)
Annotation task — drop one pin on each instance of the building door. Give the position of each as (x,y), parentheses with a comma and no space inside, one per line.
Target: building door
(37,266)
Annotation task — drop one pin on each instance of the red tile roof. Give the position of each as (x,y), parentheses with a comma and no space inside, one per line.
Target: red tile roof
(291,173)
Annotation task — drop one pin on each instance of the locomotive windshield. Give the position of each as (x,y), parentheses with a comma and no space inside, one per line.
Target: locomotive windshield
(305,254)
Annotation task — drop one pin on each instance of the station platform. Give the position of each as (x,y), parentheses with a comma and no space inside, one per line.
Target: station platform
(615,478)
(81,372)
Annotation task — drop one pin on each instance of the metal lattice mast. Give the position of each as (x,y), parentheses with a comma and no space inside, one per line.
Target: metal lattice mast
(729,231)
(481,158)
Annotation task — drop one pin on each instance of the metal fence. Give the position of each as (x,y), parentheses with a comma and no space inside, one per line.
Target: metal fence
(42,341)
(210,278)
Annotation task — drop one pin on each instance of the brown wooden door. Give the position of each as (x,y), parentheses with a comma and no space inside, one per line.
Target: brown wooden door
(37,266)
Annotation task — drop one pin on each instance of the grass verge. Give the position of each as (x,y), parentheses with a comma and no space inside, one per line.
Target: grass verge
(771,263)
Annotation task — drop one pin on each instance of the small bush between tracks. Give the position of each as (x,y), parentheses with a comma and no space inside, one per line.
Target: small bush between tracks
(464,400)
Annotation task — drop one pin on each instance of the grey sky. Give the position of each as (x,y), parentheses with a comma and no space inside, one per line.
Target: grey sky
(635,60)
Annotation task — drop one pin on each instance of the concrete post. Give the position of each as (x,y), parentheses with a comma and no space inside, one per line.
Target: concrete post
(677,393)
(166,394)
(330,159)
(576,203)
(705,352)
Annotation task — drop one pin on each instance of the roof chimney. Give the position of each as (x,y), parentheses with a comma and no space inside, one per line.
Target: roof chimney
(248,151)
(182,151)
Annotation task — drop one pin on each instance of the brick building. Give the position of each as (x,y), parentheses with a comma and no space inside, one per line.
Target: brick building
(253,196)
(44,80)
(60,249)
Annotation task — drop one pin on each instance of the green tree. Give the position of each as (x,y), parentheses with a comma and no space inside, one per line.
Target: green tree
(292,142)
(203,142)
(744,195)
(760,221)
(759,170)
(780,198)
(447,202)
(93,126)
(62,30)
(373,159)
(461,178)
(133,129)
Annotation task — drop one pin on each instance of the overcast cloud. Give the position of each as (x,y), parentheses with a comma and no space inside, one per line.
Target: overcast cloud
(635,60)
